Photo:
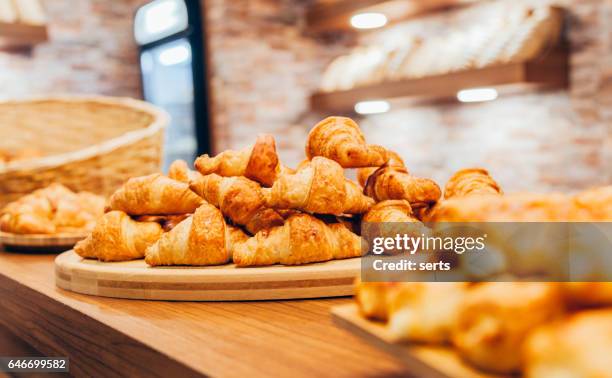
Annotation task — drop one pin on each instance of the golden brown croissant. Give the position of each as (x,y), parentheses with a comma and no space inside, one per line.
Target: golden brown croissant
(318,187)
(394,161)
(302,239)
(340,139)
(239,199)
(117,237)
(202,239)
(471,181)
(495,318)
(388,183)
(155,194)
(578,346)
(259,162)
(179,171)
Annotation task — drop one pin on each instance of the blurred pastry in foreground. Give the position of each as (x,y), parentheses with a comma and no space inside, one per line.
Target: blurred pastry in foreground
(155,195)
(578,346)
(202,239)
(588,293)
(394,161)
(117,237)
(302,239)
(374,298)
(395,183)
(54,209)
(319,186)
(471,181)
(425,311)
(495,318)
(340,139)
(516,207)
(594,204)
(179,171)
(239,199)
(259,162)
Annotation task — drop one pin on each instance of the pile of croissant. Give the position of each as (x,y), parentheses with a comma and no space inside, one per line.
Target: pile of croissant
(246,207)
(52,210)
(539,329)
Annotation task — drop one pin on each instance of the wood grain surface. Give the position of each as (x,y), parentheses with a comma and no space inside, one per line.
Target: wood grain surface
(111,337)
(425,361)
(136,280)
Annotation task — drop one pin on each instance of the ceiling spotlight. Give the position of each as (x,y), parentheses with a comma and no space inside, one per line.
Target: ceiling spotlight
(372,107)
(477,95)
(368,20)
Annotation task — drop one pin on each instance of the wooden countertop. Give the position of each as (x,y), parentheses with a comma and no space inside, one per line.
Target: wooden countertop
(106,336)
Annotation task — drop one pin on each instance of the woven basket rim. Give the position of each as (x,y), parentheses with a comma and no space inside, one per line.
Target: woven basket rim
(160,120)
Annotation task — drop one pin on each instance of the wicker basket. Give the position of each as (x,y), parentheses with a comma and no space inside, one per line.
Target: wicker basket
(86,143)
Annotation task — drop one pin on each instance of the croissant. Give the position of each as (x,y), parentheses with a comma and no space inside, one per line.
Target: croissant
(389,183)
(340,139)
(495,318)
(50,210)
(471,181)
(373,298)
(179,171)
(394,161)
(390,211)
(424,311)
(259,162)
(319,186)
(154,194)
(202,239)
(302,239)
(239,199)
(31,215)
(578,346)
(116,237)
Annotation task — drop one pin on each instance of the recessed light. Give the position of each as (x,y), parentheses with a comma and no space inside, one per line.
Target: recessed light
(477,94)
(372,107)
(368,20)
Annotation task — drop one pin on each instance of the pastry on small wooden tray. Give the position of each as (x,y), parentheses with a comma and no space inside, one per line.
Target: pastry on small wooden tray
(52,218)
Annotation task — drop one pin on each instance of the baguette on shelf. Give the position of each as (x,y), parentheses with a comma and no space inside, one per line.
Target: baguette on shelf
(512,34)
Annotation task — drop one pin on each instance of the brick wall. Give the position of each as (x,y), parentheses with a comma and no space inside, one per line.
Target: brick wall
(265,66)
(91,50)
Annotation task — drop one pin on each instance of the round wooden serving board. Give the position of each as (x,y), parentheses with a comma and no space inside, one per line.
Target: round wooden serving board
(40,242)
(136,280)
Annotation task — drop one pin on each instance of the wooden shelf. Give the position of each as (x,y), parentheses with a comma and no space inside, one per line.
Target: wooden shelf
(330,16)
(20,34)
(548,71)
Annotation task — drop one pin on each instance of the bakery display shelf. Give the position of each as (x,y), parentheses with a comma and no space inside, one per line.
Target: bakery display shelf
(421,360)
(21,34)
(335,16)
(549,71)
